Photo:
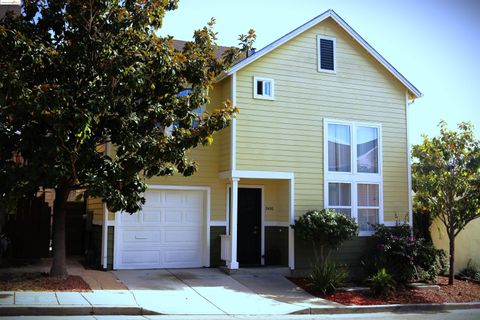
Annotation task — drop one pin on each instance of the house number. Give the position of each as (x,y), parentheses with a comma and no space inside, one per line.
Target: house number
(268,208)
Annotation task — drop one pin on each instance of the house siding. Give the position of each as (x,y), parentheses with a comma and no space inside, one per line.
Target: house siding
(286,134)
(95,205)
(210,159)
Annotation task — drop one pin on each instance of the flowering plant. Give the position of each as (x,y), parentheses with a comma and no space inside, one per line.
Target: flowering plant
(405,256)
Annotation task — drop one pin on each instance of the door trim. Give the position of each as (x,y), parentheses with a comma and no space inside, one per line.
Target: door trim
(206,220)
(262,214)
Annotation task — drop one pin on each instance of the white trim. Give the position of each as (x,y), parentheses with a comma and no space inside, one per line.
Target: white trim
(218,223)
(105,224)
(291,232)
(276,224)
(263,96)
(319,55)
(206,229)
(246,174)
(233,263)
(409,165)
(390,223)
(233,125)
(354,178)
(328,14)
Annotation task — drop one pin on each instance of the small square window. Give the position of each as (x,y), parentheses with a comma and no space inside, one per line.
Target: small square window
(263,88)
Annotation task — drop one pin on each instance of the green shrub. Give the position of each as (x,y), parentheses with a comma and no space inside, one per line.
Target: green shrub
(382,283)
(327,276)
(471,272)
(325,229)
(407,257)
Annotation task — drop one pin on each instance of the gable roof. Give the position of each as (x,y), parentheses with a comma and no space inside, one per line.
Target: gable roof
(179,44)
(327,14)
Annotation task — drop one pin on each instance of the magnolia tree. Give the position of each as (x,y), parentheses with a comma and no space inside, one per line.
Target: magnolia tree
(76,75)
(446,180)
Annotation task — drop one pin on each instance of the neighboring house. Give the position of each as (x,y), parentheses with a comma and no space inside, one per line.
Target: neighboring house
(467,243)
(322,123)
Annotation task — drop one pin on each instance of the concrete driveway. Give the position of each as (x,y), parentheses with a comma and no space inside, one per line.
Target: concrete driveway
(210,291)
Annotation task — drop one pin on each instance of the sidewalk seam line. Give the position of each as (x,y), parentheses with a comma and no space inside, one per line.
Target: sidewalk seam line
(168,270)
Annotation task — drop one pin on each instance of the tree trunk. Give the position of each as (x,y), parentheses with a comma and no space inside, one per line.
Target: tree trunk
(451,273)
(59,262)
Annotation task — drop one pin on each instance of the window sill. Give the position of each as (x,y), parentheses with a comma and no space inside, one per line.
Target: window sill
(263,98)
(327,71)
(366,233)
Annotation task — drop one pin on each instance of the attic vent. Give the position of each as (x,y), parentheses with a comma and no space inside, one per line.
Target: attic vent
(326,54)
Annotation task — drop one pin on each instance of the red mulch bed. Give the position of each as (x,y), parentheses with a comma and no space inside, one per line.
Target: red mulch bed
(41,282)
(461,291)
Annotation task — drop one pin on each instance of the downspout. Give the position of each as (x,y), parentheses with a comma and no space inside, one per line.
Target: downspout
(105,225)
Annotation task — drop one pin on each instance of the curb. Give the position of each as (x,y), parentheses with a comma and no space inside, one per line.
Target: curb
(63,310)
(391,308)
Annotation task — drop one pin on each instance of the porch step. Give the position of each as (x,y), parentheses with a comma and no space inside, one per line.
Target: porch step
(283,271)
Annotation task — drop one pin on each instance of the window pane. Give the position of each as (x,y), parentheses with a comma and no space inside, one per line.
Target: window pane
(267,88)
(367,217)
(339,148)
(367,149)
(339,194)
(367,195)
(260,88)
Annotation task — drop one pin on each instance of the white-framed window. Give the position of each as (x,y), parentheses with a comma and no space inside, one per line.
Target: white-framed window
(263,88)
(326,48)
(199,111)
(353,171)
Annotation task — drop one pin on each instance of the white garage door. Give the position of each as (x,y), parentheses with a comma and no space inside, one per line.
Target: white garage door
(167,233)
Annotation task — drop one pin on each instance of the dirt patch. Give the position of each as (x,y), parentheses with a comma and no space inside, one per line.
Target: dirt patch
(461,291)
(41,282)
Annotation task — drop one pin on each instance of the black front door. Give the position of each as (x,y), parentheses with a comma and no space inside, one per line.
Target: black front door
(249,226)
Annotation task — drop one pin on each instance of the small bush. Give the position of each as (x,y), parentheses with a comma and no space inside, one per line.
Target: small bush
(325,229)
(382,283)
(328,276)
(407,257)
(471,272)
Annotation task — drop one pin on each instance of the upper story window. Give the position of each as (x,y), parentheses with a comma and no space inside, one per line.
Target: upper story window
(353,175)
(263,88)
(326,53)
(365,150)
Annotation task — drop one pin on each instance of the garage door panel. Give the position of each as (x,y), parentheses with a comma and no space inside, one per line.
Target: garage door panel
(173,198)
(183,236)
(141,257)
(184,257)
(153,198)
(152,215)
(194,199)
(173,216)
(136,236)
(129,219)
(167,233)
(193,216)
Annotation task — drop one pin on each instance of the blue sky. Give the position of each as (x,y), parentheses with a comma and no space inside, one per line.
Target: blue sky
(435,44)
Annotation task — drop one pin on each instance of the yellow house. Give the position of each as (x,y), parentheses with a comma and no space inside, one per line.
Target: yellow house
(322,123)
